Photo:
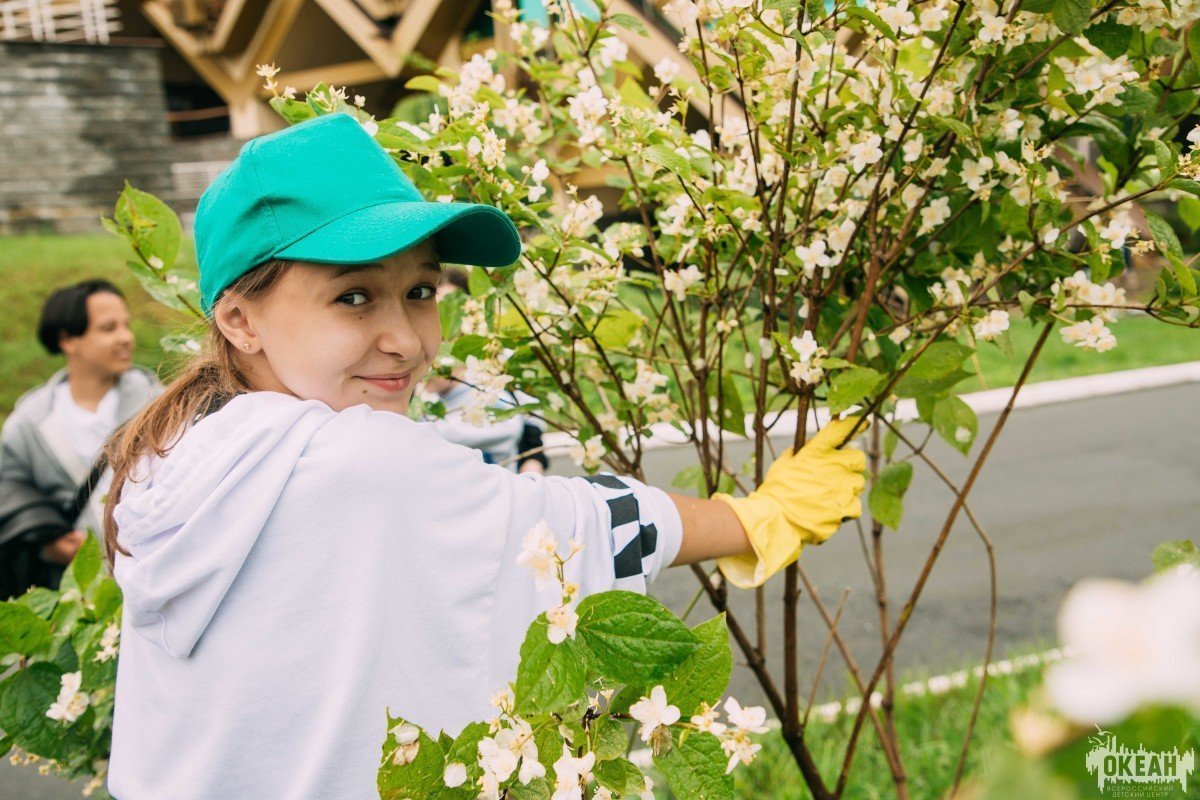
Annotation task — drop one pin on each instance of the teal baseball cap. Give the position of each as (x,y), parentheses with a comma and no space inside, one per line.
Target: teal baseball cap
(325,191)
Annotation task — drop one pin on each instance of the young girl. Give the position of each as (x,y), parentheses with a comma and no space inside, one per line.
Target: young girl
(297,556)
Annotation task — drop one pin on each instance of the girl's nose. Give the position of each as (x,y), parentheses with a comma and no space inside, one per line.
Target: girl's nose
(398,336)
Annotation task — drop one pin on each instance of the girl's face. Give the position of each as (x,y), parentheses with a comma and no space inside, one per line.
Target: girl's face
(343,335)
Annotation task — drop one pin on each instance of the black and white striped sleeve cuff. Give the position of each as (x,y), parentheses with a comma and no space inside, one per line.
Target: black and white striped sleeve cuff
(646,529)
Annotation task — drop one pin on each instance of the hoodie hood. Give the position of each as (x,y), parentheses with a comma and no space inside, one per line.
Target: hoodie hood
(190,520)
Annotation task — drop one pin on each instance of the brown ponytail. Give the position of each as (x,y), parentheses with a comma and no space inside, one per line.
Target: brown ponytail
(213,377)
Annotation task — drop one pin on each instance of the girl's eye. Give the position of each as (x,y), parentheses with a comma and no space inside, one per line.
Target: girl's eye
(350,302)
(431,289)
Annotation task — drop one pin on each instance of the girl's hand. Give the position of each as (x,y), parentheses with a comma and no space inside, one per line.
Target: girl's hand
(803,499)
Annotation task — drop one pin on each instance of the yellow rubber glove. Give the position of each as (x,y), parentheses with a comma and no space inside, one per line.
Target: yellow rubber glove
(803,499)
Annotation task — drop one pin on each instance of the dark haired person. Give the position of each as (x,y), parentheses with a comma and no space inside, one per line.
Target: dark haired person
(50,444)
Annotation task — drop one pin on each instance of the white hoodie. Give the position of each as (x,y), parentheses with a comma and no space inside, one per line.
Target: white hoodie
(295,573)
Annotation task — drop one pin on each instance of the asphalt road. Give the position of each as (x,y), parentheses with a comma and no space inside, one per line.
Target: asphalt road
(1072,490)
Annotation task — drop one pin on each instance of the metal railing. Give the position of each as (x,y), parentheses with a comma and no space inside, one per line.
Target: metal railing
(59,20)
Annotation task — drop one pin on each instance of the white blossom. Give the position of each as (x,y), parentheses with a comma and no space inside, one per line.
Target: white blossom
(677,282)
(455,774)
(539,553)
(587,454)
(1130,645)
(652,712)
(1090,334)
(991,326)
(71,703)
(562,622)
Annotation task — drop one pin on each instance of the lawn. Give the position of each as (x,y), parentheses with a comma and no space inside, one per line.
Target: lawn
(930,728)
(32,266)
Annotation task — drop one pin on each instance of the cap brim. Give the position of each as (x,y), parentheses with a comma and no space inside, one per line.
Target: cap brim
(464,233)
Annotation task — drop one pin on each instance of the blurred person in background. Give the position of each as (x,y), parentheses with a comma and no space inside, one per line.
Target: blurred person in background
(499,441)
(50,479)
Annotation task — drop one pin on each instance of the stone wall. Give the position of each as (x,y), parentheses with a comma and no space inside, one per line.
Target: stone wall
(76,122)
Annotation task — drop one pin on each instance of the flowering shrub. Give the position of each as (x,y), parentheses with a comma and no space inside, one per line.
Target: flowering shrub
(588,669)
(56,706)
(1131,673)
(822,206)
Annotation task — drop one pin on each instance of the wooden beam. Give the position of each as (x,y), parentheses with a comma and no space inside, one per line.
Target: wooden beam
(347,73)
(428,25)
(268,38)
(187,46)
(365,33)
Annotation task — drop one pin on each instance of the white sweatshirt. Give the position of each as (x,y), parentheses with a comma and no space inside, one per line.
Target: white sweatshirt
(295,573)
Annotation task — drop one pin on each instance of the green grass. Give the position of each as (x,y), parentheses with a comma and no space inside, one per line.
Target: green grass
(1141,342)
(931,729)
(31,267)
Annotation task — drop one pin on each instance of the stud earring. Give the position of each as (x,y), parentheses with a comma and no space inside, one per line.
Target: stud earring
(245,345)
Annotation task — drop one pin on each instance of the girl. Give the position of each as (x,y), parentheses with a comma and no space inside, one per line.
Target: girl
(297,556)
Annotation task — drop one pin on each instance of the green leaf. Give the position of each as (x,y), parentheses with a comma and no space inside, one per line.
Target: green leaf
(1072,16)
(479,283)
(421,777)
(1187,281)
(1185,185)
(1164,235)
(424,83)
(733,417)
(550,677)
(850,386)
(1189,212)
(106,599)
(690,478)
(465,748)
(633,95)
(1168,162)
(886,500)
(704,675)
(155,286)
(24,700)
(609,738)
(666,157)
(21,630)
(873,18)
(1110,36)
(153,225)
(620,777)
(955,421)
(1193,44)
(470,345)
(960,128)
(634,638)
(85,567)
(935,371)
(629,22)
(536,789)
(292,111)
(1171,554)
(40,601)
(616,329)
(695,769)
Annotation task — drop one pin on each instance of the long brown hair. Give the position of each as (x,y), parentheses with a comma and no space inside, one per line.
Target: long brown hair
(213,377)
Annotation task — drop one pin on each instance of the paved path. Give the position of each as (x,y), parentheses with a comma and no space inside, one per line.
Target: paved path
(1071,490)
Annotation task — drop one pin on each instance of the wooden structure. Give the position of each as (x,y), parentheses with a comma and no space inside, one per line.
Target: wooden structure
(362,44)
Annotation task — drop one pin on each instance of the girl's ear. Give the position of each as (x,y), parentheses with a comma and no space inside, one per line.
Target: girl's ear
(235,325)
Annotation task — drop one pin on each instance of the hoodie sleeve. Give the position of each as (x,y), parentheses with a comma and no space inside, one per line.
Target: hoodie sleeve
(629,529)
